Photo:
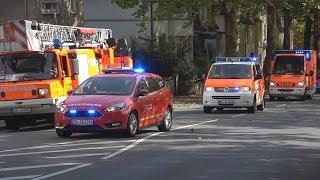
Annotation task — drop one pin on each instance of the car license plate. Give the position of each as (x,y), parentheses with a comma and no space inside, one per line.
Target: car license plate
(82,122)
(21,110)
(226,102)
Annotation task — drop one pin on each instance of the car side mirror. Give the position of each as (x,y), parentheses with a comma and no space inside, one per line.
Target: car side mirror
(69,92)
(143,92)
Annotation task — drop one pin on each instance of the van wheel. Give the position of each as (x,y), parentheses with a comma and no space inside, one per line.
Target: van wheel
(253,108)
(132,125)
(207,109)
(261,106)
(12,123)
(166,122)
(220,109)
(63,133)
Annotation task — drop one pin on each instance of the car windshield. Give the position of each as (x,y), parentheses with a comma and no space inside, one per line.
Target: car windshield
(106,86)
(289,65)
(230,71)
(28,66)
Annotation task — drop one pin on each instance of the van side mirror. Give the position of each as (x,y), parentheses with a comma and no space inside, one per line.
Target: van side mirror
(311,73)
(143,92)
(258,76)
(75,65)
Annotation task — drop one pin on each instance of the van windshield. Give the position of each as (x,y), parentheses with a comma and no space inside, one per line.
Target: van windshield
(289,65)
(28,66)
(230,71)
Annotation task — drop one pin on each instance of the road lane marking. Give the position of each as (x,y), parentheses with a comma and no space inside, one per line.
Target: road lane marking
(20,177)
(77,155)
(61,172)
(281,105)
(150,136)
(63,145)
(68,142)
(37,166)
(238,115)
(56,151)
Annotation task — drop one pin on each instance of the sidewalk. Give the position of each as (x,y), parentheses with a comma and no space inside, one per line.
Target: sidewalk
(187,102)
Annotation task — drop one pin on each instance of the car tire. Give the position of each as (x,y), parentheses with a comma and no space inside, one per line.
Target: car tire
(12,123)
(309,97)
(261,106)
(166,123)
(63,133)
(133,124)
(253,108)
(207,109)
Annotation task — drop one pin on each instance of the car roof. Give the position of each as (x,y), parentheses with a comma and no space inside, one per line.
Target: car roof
(130,75)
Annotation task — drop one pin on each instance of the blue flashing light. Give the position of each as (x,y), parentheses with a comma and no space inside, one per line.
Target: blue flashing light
(308,55)
(57,43)
(91,111)
(73,111)
(237,88)
(237,59)
(139,70)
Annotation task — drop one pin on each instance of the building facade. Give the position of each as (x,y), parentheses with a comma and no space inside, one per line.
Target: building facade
(62,12)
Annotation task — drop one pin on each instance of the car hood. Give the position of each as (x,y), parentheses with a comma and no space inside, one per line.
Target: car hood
(94,101)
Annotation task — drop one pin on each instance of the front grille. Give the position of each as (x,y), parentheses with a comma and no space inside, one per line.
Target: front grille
(83,114)
(225,97)
(227,89)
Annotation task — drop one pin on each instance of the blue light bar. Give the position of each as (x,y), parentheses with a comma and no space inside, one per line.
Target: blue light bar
(307,53)
(73,111)
(91,111)
(139,70)
(57,43)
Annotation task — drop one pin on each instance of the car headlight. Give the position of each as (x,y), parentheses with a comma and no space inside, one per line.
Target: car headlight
(116,107)
(246,89)
(301,84)
(272,84)
(209,88)
(62,106)
(43,91)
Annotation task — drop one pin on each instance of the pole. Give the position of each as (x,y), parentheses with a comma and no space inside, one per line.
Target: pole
(151,26)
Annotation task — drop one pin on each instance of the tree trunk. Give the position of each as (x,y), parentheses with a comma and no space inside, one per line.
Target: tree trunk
(271,42)
(232,33)
(286,29)
(307,33)
(316,30)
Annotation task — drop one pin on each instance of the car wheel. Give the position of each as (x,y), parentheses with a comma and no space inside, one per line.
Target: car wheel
(303,98)
(12,123)
(132,125)
(253,108)
(207,109)
(261,106)
(166,122)
(309,97)
(63,133)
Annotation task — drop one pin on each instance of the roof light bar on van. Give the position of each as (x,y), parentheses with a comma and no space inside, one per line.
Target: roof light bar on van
(237,59)
(307,53)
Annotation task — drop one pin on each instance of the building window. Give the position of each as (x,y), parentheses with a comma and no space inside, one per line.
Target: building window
(50,8)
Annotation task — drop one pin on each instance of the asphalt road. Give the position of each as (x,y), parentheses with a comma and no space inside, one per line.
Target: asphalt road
(283,142)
